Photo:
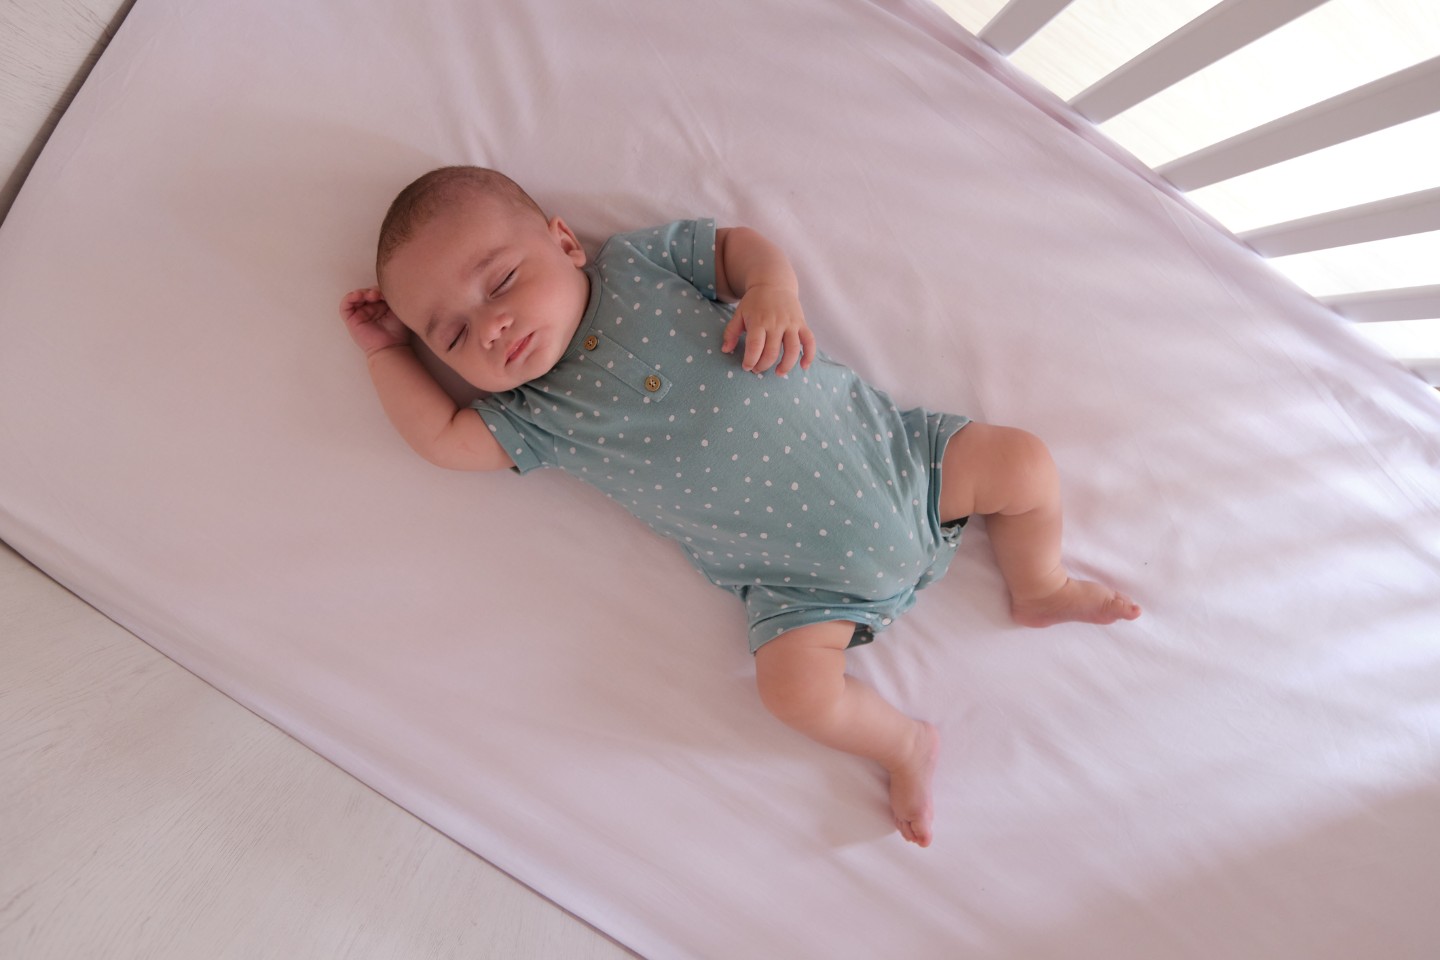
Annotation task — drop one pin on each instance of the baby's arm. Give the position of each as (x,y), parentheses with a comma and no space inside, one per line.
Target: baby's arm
(438,430)
(754,271)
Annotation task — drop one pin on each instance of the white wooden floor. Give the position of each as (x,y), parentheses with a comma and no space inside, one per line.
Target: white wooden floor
(46,47)
(144,815)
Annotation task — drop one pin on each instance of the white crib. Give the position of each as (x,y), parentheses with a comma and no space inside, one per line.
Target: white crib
(144,813)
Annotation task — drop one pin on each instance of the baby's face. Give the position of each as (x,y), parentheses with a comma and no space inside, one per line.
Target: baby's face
(493,289)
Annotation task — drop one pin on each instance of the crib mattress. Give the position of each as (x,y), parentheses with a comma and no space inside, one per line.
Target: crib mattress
(191,444)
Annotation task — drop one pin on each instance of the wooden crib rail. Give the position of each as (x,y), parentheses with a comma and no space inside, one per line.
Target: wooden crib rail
(1327,247)
(1019,21)
(1405,303)
(1219,31)
(1412,213)
(1405,95)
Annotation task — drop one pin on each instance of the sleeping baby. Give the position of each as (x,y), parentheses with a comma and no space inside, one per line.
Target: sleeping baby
(805,493)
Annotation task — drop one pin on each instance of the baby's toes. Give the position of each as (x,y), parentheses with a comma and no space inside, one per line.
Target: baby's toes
(1123,607)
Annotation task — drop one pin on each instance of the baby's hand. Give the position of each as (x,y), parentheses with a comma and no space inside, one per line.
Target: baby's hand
(772,321)
(372,324)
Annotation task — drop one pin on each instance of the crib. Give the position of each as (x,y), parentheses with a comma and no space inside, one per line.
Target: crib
(247,707)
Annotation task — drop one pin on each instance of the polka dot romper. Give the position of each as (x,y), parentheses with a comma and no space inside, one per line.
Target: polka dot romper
(810,496)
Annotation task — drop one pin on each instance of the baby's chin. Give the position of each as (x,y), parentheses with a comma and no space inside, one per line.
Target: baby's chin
(491,383)
(495,382)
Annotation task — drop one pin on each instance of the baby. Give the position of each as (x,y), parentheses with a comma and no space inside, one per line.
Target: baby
(808,494)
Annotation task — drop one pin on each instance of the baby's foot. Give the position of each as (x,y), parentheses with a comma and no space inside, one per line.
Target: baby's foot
(910,794)
(1078,600)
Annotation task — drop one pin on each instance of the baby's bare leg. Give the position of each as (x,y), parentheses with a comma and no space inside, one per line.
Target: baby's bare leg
(1008,477)
(802,681)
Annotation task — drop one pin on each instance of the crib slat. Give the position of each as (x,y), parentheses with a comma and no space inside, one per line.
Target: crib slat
(1395,217)
(1219,31)
(1019,21)
(1410,93)
(1405,303)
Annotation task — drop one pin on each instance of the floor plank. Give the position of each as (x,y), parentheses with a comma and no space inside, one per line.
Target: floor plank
(145,815)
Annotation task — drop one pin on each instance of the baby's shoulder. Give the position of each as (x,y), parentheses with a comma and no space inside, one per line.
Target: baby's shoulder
(681,248)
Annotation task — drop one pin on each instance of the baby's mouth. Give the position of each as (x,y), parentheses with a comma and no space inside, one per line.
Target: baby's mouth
(518,349)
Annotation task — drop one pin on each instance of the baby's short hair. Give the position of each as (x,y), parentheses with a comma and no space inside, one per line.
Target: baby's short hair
(423,199)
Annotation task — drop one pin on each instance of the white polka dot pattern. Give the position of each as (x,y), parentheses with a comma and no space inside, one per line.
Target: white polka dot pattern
(829,506)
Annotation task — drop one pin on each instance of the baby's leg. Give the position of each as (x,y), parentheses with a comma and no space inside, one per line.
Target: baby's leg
(1008,477)
(802,680)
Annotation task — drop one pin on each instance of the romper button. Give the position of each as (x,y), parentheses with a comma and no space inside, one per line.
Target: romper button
(591,342)
(652,383)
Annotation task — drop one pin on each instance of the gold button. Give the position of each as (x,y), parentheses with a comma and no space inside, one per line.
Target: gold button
(652,383)
(591,342)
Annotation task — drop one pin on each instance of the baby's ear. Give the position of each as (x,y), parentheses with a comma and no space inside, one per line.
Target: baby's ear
(569,243)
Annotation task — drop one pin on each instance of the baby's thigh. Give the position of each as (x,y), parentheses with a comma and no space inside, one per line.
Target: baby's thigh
(987,468)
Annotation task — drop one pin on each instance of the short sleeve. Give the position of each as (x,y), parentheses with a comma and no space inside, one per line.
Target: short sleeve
(528,445)
(685,248)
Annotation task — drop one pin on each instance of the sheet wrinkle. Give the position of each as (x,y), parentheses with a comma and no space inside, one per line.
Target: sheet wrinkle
(1358,412)
(712,158)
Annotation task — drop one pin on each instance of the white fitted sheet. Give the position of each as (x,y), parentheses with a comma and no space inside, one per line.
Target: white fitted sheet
(190,443)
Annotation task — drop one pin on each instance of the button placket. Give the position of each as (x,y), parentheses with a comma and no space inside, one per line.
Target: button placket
(624,366)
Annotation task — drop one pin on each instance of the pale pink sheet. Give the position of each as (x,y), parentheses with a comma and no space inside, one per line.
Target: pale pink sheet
(189,441)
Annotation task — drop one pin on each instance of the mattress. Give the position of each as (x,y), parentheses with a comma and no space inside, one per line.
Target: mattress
(191,444)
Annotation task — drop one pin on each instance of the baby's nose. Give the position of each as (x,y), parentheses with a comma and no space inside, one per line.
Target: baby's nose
(497,327)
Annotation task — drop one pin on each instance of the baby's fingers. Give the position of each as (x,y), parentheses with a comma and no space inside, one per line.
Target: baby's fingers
(355,298)
(807,348)
(733,329)
(755,341)
(774,344)
(792,353)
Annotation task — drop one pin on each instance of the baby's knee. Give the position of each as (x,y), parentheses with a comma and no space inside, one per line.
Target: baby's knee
(790,695)
(790,703)
(1020,448)
(995,469)
(1033,477)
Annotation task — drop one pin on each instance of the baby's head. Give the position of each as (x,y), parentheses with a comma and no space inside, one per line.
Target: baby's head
(470,263)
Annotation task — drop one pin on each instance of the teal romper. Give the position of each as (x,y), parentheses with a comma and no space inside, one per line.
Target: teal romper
(810,496)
